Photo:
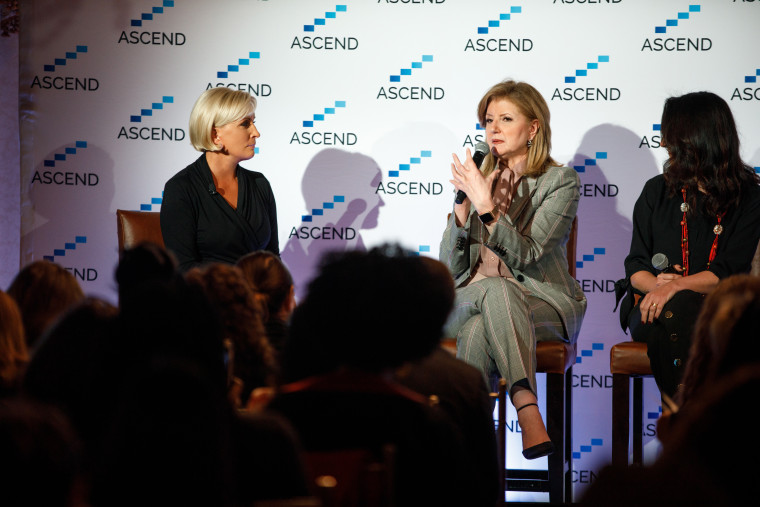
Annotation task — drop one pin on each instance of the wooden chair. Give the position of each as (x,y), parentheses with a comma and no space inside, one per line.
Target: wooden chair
(350,477)
(628,360)
(134,227)
(556,360)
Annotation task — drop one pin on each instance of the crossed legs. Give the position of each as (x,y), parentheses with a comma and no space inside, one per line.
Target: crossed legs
(497,326)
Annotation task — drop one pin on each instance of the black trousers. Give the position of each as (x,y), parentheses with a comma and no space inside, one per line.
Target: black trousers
(668,338)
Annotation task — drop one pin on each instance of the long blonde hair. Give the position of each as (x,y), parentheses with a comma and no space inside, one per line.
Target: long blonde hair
(531,104)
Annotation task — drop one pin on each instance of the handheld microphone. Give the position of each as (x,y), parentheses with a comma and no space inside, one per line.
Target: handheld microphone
(661,263)
(211,189)
(481,150)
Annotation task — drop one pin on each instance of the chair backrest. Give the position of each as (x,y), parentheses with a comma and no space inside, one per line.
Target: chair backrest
(572,242)
(135,227)
(352,477)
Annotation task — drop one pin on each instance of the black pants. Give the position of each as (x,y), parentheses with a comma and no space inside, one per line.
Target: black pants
(668,338)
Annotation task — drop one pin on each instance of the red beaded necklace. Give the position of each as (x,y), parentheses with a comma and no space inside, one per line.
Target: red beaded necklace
(685,236)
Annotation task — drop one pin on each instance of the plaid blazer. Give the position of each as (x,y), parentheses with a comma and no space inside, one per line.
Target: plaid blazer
(530,238)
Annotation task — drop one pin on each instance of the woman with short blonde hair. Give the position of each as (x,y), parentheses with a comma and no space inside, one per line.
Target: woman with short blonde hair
(214,210)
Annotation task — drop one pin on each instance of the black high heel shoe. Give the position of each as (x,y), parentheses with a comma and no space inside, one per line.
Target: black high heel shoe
(538,450)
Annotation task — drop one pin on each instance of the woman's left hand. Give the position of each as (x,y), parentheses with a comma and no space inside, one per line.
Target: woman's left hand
(651,304)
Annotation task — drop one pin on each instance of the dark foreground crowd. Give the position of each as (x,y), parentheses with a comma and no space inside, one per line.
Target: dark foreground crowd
(214,388)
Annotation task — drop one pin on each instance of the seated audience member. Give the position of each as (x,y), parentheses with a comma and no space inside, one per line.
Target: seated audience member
(144,263)
(13,353)
(705,460)
(273,284)
(365,314)
(76,368)
(240,316)
(40,460)
(463,395)
(43,290)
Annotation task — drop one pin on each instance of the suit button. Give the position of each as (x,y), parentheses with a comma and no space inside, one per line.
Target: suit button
(520,278)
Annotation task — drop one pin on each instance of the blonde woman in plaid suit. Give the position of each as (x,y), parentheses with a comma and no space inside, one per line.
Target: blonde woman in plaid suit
(505,247)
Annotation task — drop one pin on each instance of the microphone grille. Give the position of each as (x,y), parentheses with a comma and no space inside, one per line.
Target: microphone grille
(482,147)
(660,261)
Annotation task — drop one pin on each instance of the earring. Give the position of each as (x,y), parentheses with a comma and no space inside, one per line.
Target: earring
(530,143)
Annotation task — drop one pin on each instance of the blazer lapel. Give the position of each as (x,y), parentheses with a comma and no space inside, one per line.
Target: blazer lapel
(524,195)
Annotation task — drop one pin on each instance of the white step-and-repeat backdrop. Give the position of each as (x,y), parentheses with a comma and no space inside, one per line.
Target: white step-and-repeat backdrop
(361,104)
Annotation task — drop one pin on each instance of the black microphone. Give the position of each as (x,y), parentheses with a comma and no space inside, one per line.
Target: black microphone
(481,150)
(661,263)
(211,189)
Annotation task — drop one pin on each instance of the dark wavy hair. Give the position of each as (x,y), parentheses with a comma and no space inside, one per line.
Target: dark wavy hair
(700,135)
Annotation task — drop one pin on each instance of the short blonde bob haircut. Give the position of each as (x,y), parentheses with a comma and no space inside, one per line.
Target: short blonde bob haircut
(531,103)
(217,107)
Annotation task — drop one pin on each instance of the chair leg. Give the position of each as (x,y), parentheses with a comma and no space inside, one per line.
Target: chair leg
(620,418)
(638,420)
(569,436)
(501,436)
(556,428)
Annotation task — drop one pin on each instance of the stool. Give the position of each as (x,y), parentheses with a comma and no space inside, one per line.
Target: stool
(628,360)
(556,360)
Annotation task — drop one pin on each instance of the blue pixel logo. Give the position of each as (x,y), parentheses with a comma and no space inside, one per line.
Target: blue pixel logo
(151,133)
(397,185)
(312,134)
(411,92)
(233,69)
(654,139)
(748,92)
(677,44)
(586,94)
(492,44)
(479,137)
(151,38)
(322,42)
(54,175)
(54,80)
(592,189)
(320,232)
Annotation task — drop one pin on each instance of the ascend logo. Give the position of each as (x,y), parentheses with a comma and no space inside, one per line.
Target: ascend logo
(84,274)
(479,137)
(587,93)
(677,43)
(500,44)
(592,189)
(653,141)
(324,43)
(67,83)
(748,93)
(147,38)
(147,133)
(321,137)
(52,175)
(411,92)
(257,90)
(409,187)
(320,232)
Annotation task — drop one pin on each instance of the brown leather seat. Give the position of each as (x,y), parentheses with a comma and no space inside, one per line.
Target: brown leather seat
(135,227)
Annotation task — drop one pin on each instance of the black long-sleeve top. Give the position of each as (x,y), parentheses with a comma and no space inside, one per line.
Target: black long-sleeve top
(657,229)
(199,226)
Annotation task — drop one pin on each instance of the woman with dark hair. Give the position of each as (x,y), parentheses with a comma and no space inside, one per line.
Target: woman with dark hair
(43,291)
(13,353)
(273,286)
(703,215)
(253,361)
